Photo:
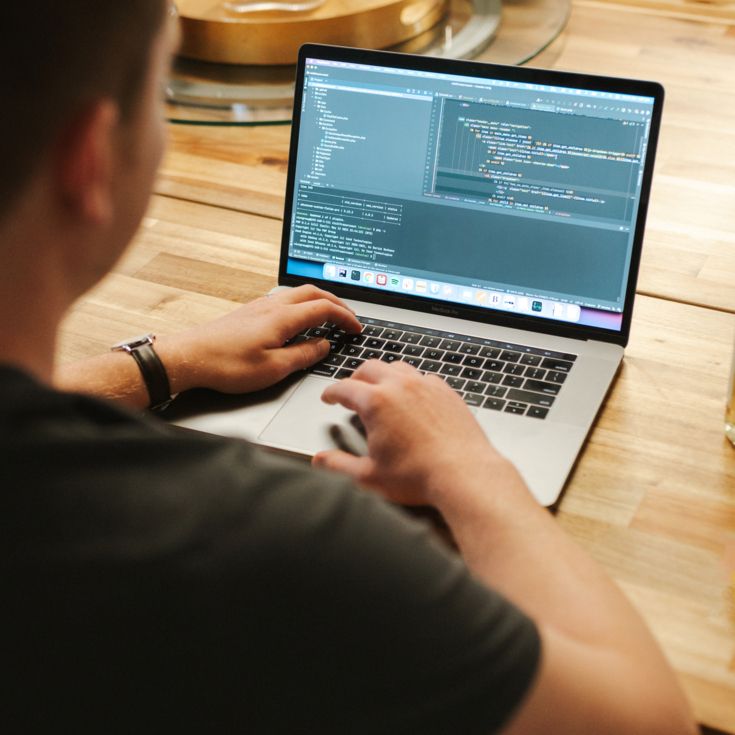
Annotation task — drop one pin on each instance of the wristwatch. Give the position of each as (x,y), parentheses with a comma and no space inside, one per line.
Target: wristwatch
(151,368)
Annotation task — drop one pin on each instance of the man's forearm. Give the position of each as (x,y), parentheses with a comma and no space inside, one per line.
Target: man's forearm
(114,376)
(516,547)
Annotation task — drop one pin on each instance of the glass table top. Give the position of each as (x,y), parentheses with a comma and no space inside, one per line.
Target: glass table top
(200,93)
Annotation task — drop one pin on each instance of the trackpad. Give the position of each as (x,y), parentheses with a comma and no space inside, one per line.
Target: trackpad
(307,425)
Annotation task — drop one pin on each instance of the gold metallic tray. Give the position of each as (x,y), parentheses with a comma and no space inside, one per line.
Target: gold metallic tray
(264,32)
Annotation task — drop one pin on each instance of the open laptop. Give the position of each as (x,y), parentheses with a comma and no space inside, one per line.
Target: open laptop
(485,223)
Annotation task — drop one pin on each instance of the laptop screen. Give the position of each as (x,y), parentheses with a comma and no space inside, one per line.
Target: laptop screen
(503,195)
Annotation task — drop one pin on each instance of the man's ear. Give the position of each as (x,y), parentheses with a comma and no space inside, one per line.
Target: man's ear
(85,163)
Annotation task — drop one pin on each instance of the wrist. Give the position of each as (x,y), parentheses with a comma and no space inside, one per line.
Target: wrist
(182,368)
(488,481)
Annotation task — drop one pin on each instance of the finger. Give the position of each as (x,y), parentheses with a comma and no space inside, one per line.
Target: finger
(307,292)
(335,460)
(377,371)
(373,371)
(313,313)
(350,393)
(302,355)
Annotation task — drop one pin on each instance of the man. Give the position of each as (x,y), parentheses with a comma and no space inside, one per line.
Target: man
(158,580)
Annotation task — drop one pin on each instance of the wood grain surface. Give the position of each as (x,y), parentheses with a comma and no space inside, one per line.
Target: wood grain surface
(652,496)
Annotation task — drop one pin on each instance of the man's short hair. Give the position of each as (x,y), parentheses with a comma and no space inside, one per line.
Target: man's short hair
(56,57)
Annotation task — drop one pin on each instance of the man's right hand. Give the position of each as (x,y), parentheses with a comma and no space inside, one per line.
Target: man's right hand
(421,436)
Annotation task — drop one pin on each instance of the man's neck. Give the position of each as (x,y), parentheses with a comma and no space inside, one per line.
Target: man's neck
(27,337)
(32,302)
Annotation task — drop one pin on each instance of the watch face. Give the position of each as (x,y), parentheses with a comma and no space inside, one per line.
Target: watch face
(131,344)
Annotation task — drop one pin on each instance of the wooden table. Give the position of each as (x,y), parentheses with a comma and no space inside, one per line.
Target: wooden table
(653,494)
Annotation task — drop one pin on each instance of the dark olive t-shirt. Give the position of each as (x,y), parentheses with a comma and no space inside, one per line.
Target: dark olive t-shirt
(155,580)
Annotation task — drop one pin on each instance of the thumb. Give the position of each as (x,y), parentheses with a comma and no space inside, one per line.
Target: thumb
(303,354)
(335,460)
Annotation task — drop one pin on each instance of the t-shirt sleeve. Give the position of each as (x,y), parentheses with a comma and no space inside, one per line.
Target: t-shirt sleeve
(361,621)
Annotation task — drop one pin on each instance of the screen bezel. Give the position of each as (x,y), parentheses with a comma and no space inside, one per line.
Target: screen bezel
(488,71)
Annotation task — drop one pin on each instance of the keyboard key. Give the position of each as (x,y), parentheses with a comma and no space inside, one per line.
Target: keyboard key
(334,360)
(468,348)
(353,363)
(473,399)
(513,369)
(453,357)
(411,338)
(431,366)
(513,381)
(392,334)
(317,332)
(370,330)
(352,350)
(556,377)
(473,386)
(473,361)
(518,409)
(371,355)
(532,360)
(471,373)
(450,344)
(456,383)
(541,387)
(449,369)
(390,357)
(413,350)
(535,373)
(538,399)
(496,391)
(491,352)
(552,363)
(494,404)
(510,356)
(495,365)
(430,341)
(343,373)
(432,354)
(412,361)
(393,347)
(354,339)
(326,370)
(489,377)
(375,344)
(537,412)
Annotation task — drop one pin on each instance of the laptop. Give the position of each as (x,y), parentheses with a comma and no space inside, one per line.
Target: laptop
(484,222)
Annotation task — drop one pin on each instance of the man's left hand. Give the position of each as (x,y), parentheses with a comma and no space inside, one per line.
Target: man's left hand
(246,350)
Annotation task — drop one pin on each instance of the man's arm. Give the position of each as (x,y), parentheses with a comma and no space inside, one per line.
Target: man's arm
(601,671)
(241,352)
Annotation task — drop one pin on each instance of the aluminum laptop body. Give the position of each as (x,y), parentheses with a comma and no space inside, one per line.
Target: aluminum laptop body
(492,216)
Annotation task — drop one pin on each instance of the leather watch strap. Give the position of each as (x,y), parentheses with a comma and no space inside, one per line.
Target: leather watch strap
(151,368)
(154,376)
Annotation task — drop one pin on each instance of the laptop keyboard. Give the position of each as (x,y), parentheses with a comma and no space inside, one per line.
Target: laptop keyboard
(498,376)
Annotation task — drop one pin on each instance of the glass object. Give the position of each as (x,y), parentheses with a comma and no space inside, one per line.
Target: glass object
(730,409)
(200,93)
